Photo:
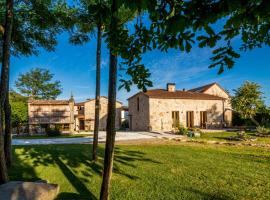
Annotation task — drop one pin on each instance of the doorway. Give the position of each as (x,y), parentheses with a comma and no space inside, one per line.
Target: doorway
(203,119)
(190,119)
(81,124)
(175,119)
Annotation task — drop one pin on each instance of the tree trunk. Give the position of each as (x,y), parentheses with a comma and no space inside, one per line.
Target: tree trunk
(4,83)
(8,136)
(110,137)
(3,167)
(97,102)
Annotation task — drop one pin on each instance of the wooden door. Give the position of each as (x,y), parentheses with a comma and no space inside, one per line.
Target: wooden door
(203,119)
(190,119)
(81,124)
(175,119)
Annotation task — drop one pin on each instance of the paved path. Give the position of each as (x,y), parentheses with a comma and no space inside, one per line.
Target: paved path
(120,136)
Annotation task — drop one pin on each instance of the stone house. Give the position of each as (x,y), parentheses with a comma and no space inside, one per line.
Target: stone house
(43,113)
(165,109)
(68,115)
(84,114)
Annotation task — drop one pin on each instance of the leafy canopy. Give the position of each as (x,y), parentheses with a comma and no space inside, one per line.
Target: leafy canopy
(19,112)
(183,24)
(38,84)
(248,100)
(36,24)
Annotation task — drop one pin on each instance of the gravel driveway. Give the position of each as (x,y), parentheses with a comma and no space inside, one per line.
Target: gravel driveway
(120,136)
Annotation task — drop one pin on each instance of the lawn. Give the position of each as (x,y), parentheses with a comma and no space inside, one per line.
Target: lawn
(48,137)
(229,137)
(150,171)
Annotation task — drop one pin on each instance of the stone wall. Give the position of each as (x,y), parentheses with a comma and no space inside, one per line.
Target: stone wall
(139,118)
(47,114)
(217,91)
(50,114)
(89,111)
(161,112)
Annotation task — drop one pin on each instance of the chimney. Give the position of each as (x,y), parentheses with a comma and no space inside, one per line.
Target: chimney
(171,87)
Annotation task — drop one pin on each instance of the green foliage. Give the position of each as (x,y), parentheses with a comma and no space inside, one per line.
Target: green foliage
(125,124)
(237,120)
(52,132)
(241,135)
(262,130)
(182,130)
(19,113)
(36,24)
(247,100)
(38,84)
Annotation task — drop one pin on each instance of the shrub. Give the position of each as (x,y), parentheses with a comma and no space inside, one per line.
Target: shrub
(124,124)
(262,130)
(51,132)
(241,135)
(182,130)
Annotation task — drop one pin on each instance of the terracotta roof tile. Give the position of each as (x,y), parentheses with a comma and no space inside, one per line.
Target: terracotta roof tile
(48,102)
(164,94)
(202,88)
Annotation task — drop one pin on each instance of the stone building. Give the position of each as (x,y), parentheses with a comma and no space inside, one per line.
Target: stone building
(165,109)
(85,114)
(68,115)
(44,113)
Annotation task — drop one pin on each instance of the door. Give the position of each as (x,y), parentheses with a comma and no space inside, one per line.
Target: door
(190,119)
(175,119)
(203,119)
(81,124)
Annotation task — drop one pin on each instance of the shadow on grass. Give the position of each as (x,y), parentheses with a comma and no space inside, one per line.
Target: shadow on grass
(68,158)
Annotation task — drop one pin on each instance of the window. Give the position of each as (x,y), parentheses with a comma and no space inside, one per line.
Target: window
(65,127)
(138,104)
(175,119)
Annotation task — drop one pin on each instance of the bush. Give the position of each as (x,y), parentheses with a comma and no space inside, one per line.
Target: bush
(125,125)
(182,130)
(262,130)
(241,135)
(51,132)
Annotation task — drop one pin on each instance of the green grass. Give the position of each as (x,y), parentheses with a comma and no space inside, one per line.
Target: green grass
(229,137)
(48,137)
(186,171)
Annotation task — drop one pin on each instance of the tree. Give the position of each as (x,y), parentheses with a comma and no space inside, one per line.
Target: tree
(37,84)
(92,16)
(19,110)
(4,103)
(248,101)
(110,129)
(25,27)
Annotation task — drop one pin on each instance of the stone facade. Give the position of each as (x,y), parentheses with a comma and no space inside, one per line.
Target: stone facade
(85,113)
(68,115)
(217,90)
(42,113)
(152,111)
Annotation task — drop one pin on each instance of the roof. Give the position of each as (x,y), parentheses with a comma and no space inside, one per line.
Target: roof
(49,102)
(79,104)
(202,88)
(88,100)
(179,94)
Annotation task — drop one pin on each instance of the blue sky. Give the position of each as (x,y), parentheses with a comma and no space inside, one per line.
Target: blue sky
(74,66)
